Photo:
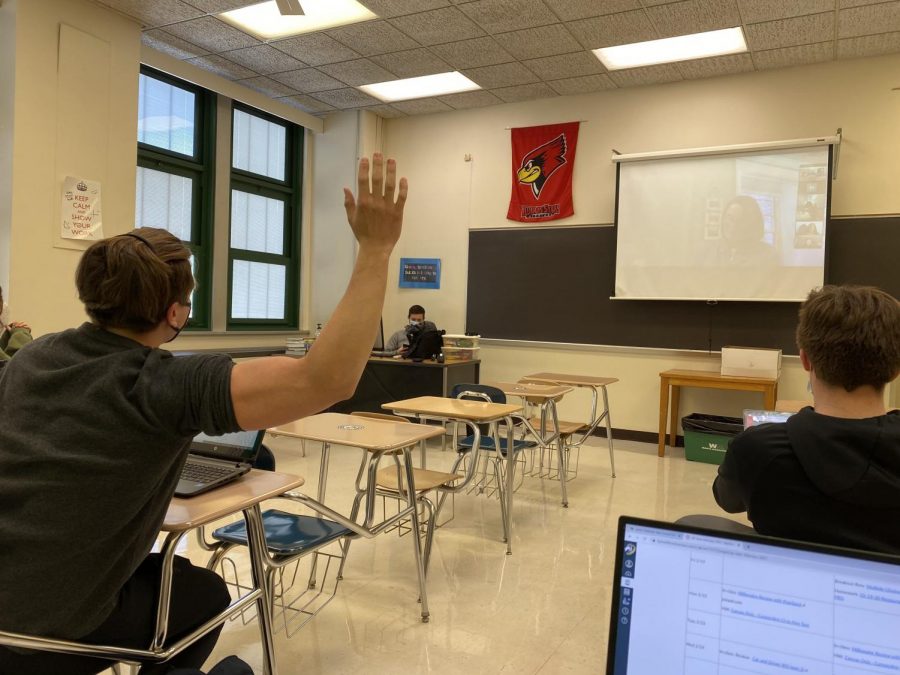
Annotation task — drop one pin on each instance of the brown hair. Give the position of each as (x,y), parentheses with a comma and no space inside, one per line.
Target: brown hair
(129,281)
(416,309)
(851,335)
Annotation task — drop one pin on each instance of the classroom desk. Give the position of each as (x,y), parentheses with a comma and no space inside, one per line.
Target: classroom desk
(377,437)
(545,396)
(597,385)
(388,379)
(245,495)
(706,379)
(470,413)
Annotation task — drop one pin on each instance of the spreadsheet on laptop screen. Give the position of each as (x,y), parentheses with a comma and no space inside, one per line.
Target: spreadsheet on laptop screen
(703,604)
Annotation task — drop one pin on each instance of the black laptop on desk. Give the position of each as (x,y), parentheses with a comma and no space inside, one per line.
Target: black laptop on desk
(216,460)
(691,600)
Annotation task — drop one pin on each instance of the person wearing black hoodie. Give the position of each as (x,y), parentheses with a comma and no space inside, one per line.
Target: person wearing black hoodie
(831,473)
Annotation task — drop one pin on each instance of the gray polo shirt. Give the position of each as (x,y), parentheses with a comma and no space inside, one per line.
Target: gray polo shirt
(94,429)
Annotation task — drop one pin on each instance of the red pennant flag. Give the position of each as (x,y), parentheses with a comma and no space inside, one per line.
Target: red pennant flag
(543,159)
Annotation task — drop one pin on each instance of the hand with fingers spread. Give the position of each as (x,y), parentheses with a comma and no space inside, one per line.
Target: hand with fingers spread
(375,216)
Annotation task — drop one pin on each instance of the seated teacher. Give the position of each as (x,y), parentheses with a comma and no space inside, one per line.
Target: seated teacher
(399,341)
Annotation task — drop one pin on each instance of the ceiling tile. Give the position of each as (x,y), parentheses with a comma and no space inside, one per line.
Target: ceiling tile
(390,8)
(569,10)
(346,98)
(438,26)
(385,110)
(504,75)
(730,64)
(421,106)
(793,56)
(372,37)
(801,30)
(357,72)
(635,77)
(501,16)
(308,80)
(219,6)
(757,11)
(264,59)
(306,103)
(164,42)
(412,63)
(473,53)
(470,99)
(565,65)
(614,29)
(869,45)
(694,16)
(268,86)
(881,18)
(222,67)
(214,35)
(572,86)
(315,49)
(533,43)
(153,14)
(525,92)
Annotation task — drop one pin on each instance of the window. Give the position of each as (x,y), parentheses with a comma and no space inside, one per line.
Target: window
(176,132)
(264,232)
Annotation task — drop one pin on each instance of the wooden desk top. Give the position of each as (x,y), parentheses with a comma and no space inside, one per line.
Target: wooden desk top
(358,432)
(438,406)
(531,390)
(571,380)
(713,376)
(254,487)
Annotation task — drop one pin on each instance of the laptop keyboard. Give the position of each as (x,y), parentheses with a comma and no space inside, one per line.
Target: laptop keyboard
(204,473)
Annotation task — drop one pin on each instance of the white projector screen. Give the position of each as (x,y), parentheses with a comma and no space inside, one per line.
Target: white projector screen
(743,226)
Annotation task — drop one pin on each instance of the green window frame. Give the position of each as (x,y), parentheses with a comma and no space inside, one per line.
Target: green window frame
(200,169)
(288,192)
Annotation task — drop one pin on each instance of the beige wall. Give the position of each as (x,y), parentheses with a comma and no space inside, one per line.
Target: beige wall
(54,136)
(450,195)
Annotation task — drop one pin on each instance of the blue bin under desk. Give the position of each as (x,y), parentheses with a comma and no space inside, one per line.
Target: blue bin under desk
(286,533)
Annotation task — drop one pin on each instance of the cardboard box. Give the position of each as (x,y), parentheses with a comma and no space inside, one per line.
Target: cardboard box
(751,362)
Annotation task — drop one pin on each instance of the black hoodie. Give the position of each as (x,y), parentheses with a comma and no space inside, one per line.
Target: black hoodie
(818,478)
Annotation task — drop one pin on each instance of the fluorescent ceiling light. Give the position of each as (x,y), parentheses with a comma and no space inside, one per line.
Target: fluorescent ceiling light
(267,23)
(419,87)
(668,50)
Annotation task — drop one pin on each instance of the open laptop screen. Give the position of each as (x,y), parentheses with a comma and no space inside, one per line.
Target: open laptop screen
(240,446)
(687,600)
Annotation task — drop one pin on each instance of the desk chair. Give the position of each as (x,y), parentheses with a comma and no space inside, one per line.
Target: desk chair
(391,486)
(491,441)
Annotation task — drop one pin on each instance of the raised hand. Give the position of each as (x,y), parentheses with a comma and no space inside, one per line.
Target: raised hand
(375,217)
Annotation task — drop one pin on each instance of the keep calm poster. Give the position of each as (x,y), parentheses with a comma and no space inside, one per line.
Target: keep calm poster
(80,211)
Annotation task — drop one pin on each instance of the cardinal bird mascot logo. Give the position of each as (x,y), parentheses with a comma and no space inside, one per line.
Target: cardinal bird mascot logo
(542,162)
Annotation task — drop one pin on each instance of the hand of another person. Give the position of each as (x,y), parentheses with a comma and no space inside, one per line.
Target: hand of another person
(19,324)
(374,216)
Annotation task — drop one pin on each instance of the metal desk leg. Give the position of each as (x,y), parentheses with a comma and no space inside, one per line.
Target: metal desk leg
(256,540)
(609,438)
(510,480)
(414,520)
(323,477)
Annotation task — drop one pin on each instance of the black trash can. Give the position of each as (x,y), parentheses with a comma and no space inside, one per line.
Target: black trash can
(706,437)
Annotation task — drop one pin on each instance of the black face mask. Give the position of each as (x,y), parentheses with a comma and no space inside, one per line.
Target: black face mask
(178,330)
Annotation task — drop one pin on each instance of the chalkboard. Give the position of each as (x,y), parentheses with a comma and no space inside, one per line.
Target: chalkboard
(553,284)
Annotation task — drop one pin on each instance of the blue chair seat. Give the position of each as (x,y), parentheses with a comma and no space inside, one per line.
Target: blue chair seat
(487,443)
(286,533)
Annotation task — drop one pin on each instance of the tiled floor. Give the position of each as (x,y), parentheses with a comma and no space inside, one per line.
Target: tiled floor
(545,609)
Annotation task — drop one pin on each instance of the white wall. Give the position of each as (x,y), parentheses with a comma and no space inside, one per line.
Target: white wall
(83,125)
(449,195)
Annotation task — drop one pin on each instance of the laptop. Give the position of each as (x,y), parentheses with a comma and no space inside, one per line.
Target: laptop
(755,417)
(691,600)
(217,460)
